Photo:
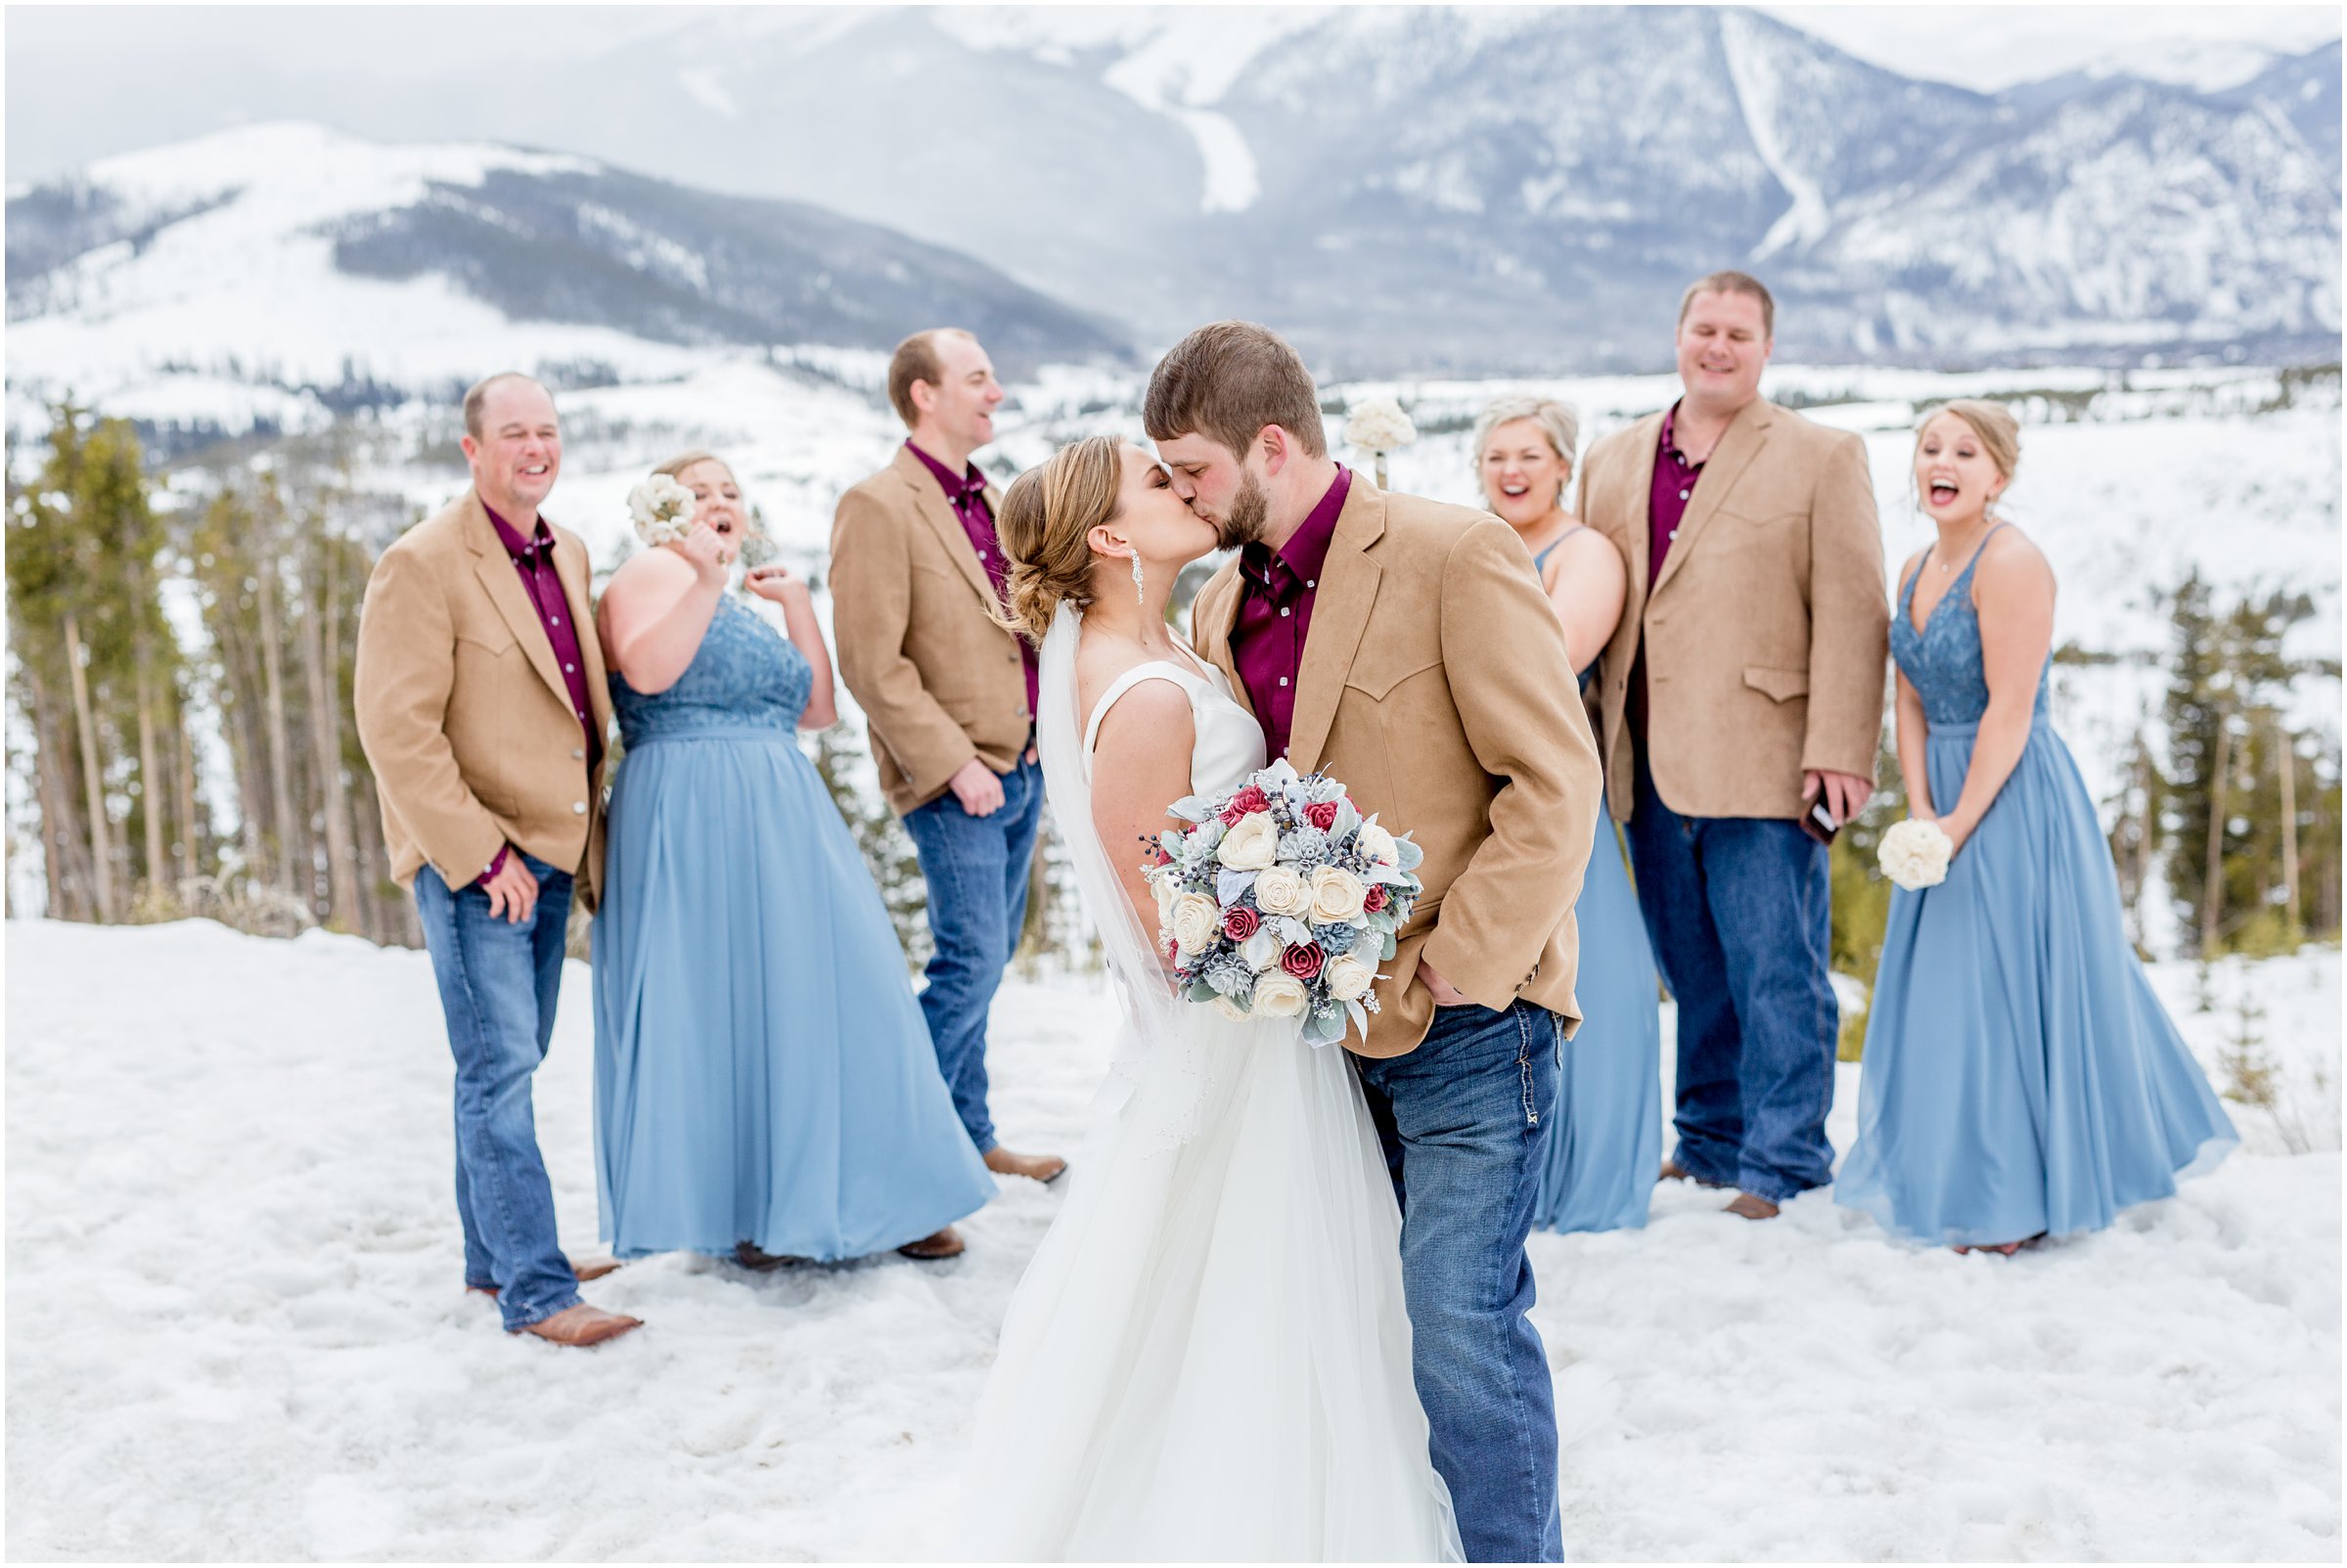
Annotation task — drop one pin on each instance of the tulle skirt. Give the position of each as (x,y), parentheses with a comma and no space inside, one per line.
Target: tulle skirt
(1209,1358)
(2020,1076)
(762,1072)
(1606,1145)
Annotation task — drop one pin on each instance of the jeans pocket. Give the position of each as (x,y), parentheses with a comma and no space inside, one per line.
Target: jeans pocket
(1523,1066)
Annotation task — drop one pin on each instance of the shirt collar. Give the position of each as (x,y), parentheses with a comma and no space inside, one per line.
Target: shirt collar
(522,550)
(1306,551)
(968,484)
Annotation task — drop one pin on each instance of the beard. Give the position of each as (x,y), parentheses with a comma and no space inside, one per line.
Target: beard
(1251,510)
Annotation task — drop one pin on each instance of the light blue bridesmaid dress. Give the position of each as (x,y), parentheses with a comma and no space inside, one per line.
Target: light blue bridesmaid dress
(762,1072)
(1606,1143)
(2020,1077)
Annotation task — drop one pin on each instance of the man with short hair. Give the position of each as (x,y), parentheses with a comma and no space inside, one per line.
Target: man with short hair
(949,693)
(1404,647)
(1742,692)
(483,707)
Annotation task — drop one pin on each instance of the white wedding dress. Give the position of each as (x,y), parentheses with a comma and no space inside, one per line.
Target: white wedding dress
(1208,1357)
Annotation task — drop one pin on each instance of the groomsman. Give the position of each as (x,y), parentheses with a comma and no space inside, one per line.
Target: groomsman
(917,577)
(482,706)
(1742,695)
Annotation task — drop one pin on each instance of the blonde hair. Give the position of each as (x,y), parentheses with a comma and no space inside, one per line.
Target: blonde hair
(1044,525)
(1998,431)
(676,465)
(1732,283)
(1560,422)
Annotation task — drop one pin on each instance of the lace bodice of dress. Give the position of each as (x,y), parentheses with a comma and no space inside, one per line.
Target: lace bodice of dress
(1228,744)
(1943,660)
(744,675)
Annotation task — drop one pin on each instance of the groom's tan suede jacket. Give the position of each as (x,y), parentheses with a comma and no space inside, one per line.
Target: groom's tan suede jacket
(938,678)
(1437,687)
(1766,631)
(464,716)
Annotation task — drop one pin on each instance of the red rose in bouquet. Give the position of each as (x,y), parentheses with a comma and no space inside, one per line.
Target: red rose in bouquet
(1321,814)
(1375,898)
(1241,923)
(1302,961)
(1246,802)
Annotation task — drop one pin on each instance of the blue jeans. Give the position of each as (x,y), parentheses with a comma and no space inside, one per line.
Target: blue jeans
(1739,911)
(976,871)
(498,983)
(1465,1121)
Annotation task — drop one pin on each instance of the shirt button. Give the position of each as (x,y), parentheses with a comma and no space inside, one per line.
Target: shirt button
(1283,680)
(557,620)
(1674,533)
(578,753)
(1284,609)
(569,669)
(1313,583)
(578,808)
(1682,495)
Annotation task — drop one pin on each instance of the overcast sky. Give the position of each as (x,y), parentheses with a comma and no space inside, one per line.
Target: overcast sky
(170,72)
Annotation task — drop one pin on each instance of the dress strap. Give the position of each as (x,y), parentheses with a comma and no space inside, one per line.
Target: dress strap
(1540,563)
(1978,547)
(1154,670)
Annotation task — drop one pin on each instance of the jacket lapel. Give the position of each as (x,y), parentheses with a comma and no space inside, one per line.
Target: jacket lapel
(1743,440)
(495,570)
(1348,586)
(572,568)
(1645,434)
(936,511)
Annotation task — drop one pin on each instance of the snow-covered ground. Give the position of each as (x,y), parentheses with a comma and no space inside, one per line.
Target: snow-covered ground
(235,1327)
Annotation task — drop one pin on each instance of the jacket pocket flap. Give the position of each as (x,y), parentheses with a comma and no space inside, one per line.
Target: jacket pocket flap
(1782,685)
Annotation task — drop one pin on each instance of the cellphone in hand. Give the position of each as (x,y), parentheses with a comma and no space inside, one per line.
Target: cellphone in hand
(1819,823)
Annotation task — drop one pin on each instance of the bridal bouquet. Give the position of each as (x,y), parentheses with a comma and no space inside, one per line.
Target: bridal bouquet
(1913,854)
(661,508)
(1283,899)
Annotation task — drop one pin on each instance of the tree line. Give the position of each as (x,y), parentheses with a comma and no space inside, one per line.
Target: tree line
(180,679)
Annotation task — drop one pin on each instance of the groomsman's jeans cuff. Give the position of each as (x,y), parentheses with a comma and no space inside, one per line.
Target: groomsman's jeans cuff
(498,984)
(1465,1119)
(1738,909)
(976,869)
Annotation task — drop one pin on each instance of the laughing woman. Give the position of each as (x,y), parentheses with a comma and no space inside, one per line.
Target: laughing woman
(2021,1078)
(764,1087)
(1607,1144)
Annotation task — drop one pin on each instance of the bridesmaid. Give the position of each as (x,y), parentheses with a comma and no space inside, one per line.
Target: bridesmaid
(764,1087)
(1606,1143)
(2021,1078)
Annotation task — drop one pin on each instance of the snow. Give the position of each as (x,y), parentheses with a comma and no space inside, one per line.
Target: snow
(236,1328)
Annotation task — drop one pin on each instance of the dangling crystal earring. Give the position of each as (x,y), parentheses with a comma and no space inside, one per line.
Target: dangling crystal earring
(1139,597)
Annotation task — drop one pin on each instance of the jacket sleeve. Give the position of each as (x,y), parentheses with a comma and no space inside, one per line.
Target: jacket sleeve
(1513,685)
(1849,618)
(872,609)
(401,678)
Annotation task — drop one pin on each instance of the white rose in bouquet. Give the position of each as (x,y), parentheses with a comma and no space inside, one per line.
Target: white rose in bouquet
(1915,854)
(1336,896)
(1347,976)
(1262,950)
(1251,844)
(661,509)
(1378,845)
(1279,890)
(1197,921)
(1168,887)
(1231,1009)
(1380,426)
(1280,996)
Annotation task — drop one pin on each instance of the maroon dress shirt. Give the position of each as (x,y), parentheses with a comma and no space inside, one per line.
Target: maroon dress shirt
(533,558)
(1275,615)
(966,495)
(1666,505)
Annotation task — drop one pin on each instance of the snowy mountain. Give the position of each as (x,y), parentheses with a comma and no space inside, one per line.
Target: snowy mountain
(1431,187)
(281,269)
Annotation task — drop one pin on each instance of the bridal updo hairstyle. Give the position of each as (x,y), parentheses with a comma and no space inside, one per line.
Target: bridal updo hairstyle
(1045,529)
(1559,422)
(676,465)
(1998,431)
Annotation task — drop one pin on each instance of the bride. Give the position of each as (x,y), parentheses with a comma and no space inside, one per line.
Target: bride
(1208,1357)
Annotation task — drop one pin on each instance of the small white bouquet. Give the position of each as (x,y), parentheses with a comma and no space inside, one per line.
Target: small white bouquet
(1283,901)
(661,508)
(1379,426)
(1915,854)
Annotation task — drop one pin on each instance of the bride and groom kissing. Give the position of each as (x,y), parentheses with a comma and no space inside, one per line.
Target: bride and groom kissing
(1284,1313)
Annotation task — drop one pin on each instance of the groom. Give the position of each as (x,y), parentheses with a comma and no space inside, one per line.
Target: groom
(1404,647)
